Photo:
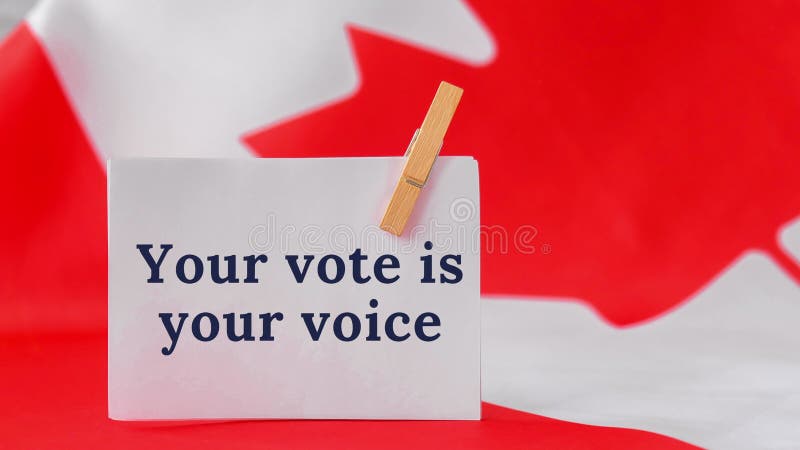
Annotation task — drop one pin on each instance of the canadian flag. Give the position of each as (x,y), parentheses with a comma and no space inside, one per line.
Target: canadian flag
(650,151)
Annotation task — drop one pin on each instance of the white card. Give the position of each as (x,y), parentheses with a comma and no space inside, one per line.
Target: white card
(172,351)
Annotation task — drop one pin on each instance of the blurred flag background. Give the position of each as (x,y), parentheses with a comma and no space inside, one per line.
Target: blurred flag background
(640,191)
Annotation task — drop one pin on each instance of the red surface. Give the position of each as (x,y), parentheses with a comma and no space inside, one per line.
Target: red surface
(53,192)
(52,315)
(54,389)
(649,143)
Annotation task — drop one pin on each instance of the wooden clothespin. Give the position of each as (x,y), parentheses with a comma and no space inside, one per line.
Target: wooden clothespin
(420,156)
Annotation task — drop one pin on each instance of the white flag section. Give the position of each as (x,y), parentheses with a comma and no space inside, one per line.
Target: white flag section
(721,371)
(258,63)
(245,288)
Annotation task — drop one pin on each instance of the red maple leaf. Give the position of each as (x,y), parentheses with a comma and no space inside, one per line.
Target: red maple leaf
(648,142)
(53,288)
